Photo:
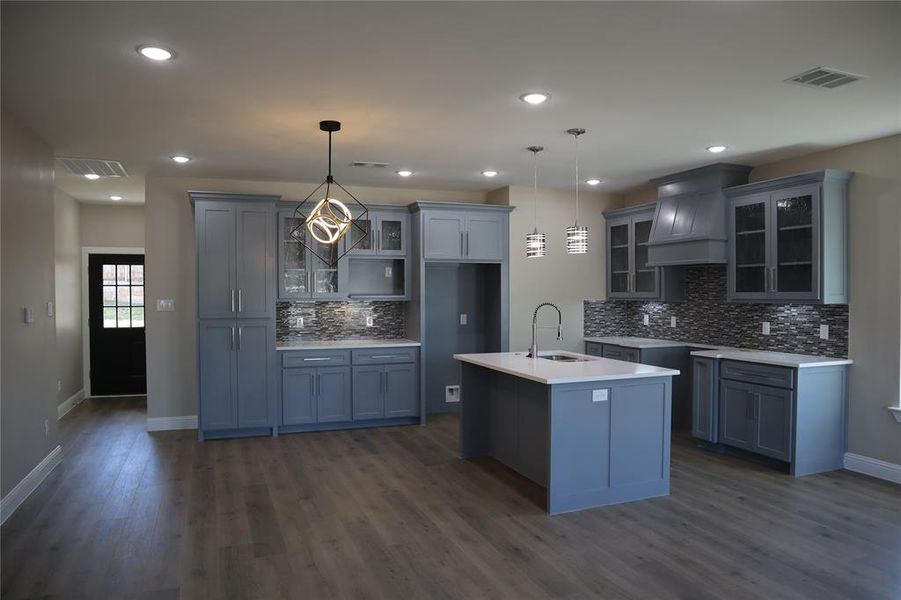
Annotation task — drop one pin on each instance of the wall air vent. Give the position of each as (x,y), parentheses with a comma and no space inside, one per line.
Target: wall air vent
(97,166)
(369,164)
(824,77)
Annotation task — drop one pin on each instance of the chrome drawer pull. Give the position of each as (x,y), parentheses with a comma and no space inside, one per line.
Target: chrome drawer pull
(383,356)
(318,358)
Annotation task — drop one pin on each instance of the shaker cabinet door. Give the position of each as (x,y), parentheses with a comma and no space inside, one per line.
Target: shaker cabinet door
(443,236)
(750,275)
(401,399)
(255,349)
(485,239)
(216,284)
(298,396)
(795,243)
(704,399)
(333,394)
(737,414)
(255,260)
(216,357)
(368,393)
(774,423)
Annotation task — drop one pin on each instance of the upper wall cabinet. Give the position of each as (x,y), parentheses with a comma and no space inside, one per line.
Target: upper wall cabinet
(789,239)
(467,233)
(235,255)
(386,233)
(629,277)
(302,275)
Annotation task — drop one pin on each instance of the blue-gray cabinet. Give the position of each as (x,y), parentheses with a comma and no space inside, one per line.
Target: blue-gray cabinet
(299,396)
(401,385)
(704,399)
(302,274)
(368,396)
(629,277)
(385,383)
(789,239)
(757,418)
(385,232)
(333,394)
(235,258)
(466,235)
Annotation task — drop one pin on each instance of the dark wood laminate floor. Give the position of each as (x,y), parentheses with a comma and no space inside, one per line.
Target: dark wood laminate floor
(392,513)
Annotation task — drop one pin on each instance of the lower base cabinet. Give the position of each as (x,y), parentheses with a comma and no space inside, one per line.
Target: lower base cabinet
(316,395)
(385,391)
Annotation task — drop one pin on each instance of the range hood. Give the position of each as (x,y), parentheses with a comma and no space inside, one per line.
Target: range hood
(690,221)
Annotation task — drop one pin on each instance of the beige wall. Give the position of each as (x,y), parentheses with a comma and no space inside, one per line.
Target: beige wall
(68,294)
(875,309)
(641,195)
(112,225)
(566,280)
(169,256)
(27,351)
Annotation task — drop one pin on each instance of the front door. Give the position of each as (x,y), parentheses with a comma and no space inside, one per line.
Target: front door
(116,323)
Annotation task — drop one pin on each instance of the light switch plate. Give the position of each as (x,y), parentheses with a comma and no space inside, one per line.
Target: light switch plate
(672,321)
(464,318)
(646,319)
(600,395)
(765,329)
(50,309)
(824,332)
(370,321)
(387,271)
(165,305)
(298,322)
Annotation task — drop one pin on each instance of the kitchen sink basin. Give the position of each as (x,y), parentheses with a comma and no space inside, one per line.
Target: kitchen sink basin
(562,358)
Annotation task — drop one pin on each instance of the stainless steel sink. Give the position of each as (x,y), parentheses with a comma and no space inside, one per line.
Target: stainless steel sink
(562,358)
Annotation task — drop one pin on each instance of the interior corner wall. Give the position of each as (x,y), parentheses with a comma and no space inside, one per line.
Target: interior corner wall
(564,279)
(112,225)
(67,227)
(170,273)
(875,285)
(27,350)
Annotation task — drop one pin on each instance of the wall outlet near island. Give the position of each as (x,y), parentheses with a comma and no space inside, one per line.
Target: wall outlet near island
(388,271)
(645,319)
(451,394)
(824,332)
(298,322)
(765,328)
(370,321)
(672,321)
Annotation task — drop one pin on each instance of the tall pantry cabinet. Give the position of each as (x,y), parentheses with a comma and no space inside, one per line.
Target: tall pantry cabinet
(236,356)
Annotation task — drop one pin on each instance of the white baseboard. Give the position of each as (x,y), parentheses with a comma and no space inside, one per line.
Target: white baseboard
(873,467)
(171,423)
(70,403)
(29,484)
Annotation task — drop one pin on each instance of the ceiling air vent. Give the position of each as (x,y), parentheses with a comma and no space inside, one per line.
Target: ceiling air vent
(824,77)
(369,164)
(97,166)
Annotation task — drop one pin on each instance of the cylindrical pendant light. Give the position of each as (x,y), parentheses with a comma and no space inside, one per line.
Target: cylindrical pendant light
(576,235)
(536,243)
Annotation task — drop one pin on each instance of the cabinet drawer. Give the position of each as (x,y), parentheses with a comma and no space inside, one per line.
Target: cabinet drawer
(315,358)
(594,349)
(387,355)
(757,373)
(621,353)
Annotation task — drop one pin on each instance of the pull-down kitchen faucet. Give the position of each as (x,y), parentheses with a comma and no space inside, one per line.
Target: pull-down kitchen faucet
(533,349)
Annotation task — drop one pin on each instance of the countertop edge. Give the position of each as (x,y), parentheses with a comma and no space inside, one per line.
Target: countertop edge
(348,345)
(741,357)
(566,380)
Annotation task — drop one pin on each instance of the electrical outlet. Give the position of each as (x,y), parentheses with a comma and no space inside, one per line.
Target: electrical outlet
(645,319)
(451,394)
(59,385)
(672,321)
(50,309)
(298,322)
(388,271)
(824,332)
(28,316)
(370,321)
(765,329)
(600,395)
(464,318)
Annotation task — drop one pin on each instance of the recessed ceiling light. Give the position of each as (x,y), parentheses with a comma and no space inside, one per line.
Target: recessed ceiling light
(91,176)
(404,173)
(535,97)
(115,197)
(180,158)
(716,149)
(155,53)
(489,173)
(594,181)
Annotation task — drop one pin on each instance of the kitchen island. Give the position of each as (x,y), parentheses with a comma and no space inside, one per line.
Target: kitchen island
(591,431)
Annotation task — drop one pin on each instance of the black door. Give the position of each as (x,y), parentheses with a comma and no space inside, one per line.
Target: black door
(116,319)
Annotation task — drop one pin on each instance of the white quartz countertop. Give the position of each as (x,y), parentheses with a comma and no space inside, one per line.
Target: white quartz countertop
(550,372)
(782,359)
(640,342)
(344,344)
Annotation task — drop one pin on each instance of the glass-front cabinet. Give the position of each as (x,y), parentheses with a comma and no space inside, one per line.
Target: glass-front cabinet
(301,273)
(628,274)
(788,239)
(383,233)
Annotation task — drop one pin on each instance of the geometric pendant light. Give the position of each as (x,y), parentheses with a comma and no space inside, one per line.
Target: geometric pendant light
(536,243)
(576,235)
(330,219)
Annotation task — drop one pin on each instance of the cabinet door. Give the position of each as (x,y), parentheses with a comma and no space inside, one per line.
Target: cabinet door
(644,279)
(704,399)
(401,399)
(333,401)
(255,349)
(795,243)
(737,427)
(485,239)
(618,259)
(255,261)
(773,413)
(749,274)
(443,235)
(216,357)
(392,234)
(293,258)
(298,396)
(368,393)
(216,286)
(328,276)
(361,238)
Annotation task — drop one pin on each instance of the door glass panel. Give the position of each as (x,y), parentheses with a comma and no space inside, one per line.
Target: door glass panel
(109,295)
(123,318)
(360,238)
(137,274)
(137,316)
(391,235)
(750,248)
(109,317)
(122,274)
(109,274)
(123,290)
(794,253)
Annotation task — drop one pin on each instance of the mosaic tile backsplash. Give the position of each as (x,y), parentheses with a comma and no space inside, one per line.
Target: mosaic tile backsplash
(706,318)
(339,320)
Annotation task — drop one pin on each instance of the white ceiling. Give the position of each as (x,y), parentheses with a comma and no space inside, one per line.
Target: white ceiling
(434,86)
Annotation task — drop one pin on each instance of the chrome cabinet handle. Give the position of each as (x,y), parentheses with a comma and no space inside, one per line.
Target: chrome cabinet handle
(233,300)
(240,301)
(378,241)
(462,253)
(240,337)
(233,339)
(383,356)
(467,243)
(317,358)
(309,282)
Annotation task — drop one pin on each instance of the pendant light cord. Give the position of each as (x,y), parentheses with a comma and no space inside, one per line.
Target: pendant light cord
(535,187)
(329,155)
(577,178)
